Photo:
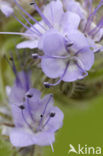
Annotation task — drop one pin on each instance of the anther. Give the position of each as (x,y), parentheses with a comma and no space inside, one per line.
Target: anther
(41,115)
(47,85)
(35,56)
(52,115)
(32,3)
(29,95)
(70,44)
(21,107)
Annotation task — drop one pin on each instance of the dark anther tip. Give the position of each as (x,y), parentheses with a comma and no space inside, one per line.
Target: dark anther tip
(70,44)
(41,115)
(35,56)
(51,95)
(47,85)
(29,95)
(21,107)
(32,3)
(11,58)
(52,115)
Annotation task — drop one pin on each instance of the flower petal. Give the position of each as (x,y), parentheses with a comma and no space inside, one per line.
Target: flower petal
(55,122)
(74,6)
(34,99)
(28,44)
(73,73)
(22,138)
(70,21)
(78,39)
(52,44)
(6,8)
(87,58)
(53,11)
(53,68)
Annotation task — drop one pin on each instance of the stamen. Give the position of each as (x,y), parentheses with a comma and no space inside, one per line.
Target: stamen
(25,26)
(91,17)
(46,122)
(20,7)
(31,3)
(15,70)
(16,33)
(27,80)
(42,15)
(50,97)
(80,51)
(23,116)
(29,96)
(67,43)
(51,115)
(22,107)
(47,84)
(52,147)
(80,66)
(56,57)
(35,29)
(42,115)
(88,4)
(94,31)
(100,25)
(29,109)
(84,73)
(35,56)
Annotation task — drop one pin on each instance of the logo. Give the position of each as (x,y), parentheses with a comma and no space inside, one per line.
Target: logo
(85,150)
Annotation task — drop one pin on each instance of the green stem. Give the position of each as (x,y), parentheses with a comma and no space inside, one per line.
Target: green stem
(2,88)
(38,151)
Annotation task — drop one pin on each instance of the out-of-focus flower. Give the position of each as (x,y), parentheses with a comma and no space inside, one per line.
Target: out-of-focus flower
(35,119)
(6,8)
(92,29)
(53,18)
(75,7)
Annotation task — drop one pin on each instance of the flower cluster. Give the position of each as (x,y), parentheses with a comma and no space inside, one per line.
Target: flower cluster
(67,37)
(35,119)
(6,8)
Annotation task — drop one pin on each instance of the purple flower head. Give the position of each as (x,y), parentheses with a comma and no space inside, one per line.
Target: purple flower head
(6,8)
(64,59)
(36,119)
(64,55)
(53,17)
(92,30)
(67,53)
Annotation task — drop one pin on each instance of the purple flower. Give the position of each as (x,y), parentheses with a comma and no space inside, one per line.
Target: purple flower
(53,17)
(68,60)
(67,53)
(75,7)
(6,8)
(36,119)
(92,30)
